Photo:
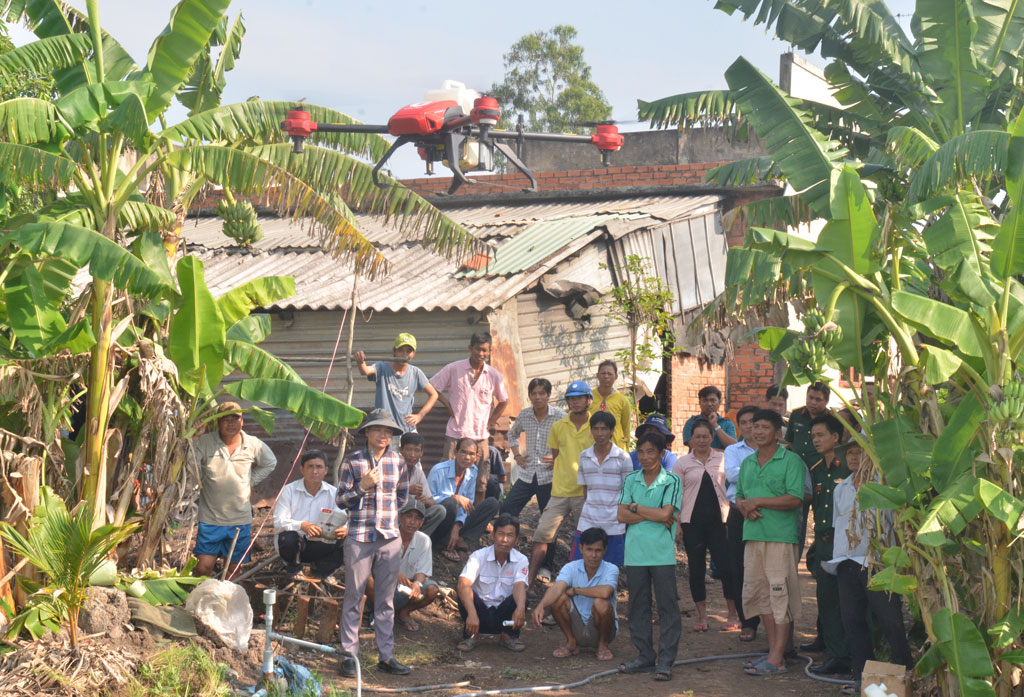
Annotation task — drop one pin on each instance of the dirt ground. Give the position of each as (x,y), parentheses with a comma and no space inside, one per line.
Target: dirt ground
(432,653)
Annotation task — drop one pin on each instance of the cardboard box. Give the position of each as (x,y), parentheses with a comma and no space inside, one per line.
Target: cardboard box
(891,676)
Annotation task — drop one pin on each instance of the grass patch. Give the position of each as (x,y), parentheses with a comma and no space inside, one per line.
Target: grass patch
(510,673)
(179,671)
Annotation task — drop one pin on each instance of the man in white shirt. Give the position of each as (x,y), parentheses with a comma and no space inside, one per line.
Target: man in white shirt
(492,589)
(297,515)
(735,454)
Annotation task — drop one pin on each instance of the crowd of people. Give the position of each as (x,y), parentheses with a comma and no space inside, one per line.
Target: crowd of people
(741,495)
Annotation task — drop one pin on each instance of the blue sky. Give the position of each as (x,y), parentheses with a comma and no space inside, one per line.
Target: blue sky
(369,58)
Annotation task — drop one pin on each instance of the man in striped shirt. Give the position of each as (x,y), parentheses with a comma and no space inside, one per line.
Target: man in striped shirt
(374,485)
(602,470)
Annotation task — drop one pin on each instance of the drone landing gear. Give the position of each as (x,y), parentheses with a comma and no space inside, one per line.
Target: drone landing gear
(402,140)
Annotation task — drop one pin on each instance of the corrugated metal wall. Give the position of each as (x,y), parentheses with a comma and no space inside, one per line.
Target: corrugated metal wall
(306,340)
(555,345)
(688,254)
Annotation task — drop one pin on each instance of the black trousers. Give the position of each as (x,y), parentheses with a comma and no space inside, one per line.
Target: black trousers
(491,617)
(472,529)
(734,530)
(325,556)
(701,535)
(855,602)
(517,498)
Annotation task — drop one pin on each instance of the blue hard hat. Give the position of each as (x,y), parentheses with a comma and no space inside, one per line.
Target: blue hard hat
(578,388)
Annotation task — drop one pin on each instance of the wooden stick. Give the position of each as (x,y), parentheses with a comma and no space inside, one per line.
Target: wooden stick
(231,553)
(10,574)
(266,562)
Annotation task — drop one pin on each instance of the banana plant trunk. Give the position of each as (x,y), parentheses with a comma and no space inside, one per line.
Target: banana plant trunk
(94,476)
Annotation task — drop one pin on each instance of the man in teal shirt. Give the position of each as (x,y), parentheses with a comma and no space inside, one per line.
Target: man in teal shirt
(769,494)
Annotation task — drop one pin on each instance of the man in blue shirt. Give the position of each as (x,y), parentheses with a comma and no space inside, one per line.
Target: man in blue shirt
(723,430)
(453,484)
(582,600)
(659,424)
(397,383)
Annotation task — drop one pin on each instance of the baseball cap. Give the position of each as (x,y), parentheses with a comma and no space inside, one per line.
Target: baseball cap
(660,424)
(578,388)
(414,504)
(405,339)
(228,408)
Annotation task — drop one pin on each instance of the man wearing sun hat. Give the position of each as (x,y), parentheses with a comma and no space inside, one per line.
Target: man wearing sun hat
(231,463)
(397,383)
(374,485)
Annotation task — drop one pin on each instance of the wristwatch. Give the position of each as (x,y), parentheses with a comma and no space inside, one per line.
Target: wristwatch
(718,427)
(633,507)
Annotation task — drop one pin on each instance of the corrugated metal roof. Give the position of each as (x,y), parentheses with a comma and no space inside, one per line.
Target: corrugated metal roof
(487,222)
(541,240)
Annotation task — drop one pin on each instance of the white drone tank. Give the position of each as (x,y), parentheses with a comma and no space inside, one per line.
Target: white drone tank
(457,91)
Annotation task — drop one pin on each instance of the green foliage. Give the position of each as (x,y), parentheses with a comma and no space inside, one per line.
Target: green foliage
(180,671)
(161,586)
(66,548)
(548,82)
(641,301)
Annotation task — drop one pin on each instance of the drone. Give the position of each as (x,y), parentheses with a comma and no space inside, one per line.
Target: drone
(443,131)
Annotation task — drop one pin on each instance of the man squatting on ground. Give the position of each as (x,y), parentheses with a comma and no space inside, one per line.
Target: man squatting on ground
(297,515)
(231,463)
(374,485)
(582,599)
(492,589)
(411,450)
(454,483)
(416,589)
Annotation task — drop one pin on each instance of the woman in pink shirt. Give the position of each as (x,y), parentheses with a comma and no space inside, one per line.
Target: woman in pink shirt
(702,517)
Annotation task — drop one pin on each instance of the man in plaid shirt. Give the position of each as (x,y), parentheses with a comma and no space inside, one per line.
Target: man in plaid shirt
(374,486)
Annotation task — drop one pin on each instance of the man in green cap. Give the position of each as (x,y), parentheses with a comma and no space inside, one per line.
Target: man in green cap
(397,384)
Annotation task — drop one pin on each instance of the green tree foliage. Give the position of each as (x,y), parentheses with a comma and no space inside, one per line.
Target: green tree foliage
(146,349)
(912,283)
(548,83)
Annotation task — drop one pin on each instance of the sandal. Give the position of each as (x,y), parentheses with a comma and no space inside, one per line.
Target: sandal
(451,555)
(467,644)
(754,662)
(700,627)
(663,674)
(565,652)
(637,665)
(748,633)
(605,655)
(512,644)
(765,668)
(731,626)
(410,625)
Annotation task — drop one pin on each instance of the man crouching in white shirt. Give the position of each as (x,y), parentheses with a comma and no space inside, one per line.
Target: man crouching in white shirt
(297,515)
(492,589)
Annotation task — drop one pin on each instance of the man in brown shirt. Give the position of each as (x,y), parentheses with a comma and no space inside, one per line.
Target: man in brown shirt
(231,462)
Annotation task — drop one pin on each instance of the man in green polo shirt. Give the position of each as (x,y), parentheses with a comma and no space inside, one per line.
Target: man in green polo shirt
(829,470)
(769,494)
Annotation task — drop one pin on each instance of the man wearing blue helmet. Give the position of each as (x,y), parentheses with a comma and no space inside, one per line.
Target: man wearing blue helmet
(567,439)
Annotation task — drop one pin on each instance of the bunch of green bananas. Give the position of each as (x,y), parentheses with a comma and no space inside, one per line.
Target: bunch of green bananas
(813,321)
(1010,409)
(240,222)
(811,355)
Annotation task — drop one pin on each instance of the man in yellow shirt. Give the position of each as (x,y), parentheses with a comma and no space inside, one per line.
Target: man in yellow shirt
(568,437)
(614,402)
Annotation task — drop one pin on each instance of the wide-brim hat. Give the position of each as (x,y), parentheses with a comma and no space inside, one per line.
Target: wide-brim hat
(379,417)
(658,423)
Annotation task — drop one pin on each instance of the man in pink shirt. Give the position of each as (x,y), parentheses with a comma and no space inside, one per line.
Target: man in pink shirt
(476,398)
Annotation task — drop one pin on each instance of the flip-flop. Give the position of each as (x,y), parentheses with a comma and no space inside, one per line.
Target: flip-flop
(754,662)
(410,624)
(605,655)
(565,652)
(748,633)
(512,644)
(764,668)
(731,627)
(637,665)
(451,555)
(700,627)
(663,674)
(467,644)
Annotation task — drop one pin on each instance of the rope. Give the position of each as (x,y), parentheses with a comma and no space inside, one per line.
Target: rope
(298,453)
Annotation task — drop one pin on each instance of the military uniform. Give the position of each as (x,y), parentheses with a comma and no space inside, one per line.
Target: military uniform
(824,477)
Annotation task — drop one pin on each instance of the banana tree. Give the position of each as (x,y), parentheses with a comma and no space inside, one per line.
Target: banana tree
(121,174)
(911,285)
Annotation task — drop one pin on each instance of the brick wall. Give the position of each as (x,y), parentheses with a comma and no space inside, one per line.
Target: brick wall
(686,378)
(575,180)
(749,375)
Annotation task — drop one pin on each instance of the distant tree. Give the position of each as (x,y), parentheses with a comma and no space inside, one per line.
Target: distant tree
(22,82)
(548,82)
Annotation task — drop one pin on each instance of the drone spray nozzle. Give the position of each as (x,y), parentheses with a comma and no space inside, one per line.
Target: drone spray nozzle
(298,126)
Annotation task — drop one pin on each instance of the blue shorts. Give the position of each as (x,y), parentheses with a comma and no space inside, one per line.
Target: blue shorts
(616,553)
(216,540)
